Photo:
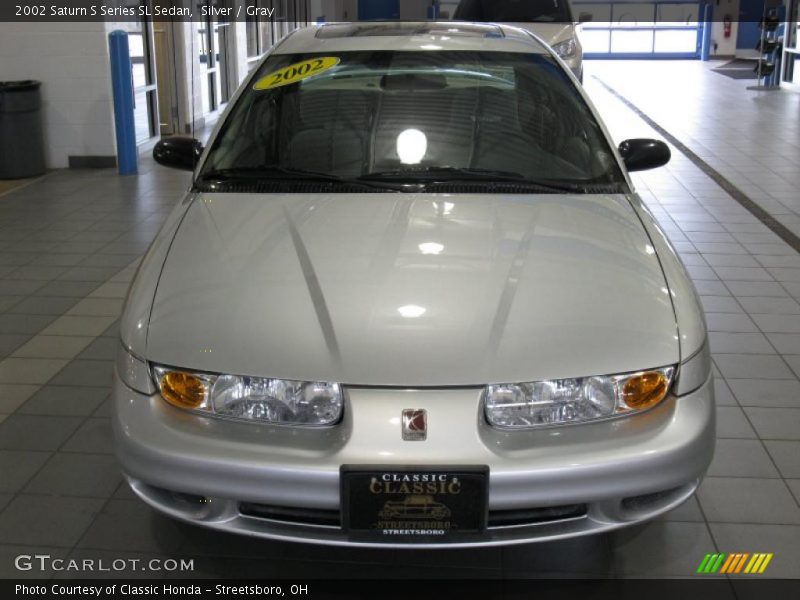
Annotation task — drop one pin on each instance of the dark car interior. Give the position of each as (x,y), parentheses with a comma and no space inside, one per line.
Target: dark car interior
(348,125)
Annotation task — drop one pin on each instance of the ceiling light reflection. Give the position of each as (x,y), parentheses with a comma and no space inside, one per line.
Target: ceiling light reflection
(412,146)
(411,311)
(431,248)
(445,208)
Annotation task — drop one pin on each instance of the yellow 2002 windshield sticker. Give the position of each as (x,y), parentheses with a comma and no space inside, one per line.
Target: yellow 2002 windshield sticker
(296,72)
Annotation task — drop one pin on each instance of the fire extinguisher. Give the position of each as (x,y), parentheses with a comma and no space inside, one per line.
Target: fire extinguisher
(726,26)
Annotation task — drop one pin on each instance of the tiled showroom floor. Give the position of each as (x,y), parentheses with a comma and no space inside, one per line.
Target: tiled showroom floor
(68,244)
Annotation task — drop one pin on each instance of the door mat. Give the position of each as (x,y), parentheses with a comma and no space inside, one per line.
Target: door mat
(738,68)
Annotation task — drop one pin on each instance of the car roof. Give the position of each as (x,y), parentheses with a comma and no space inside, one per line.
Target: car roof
(408,36)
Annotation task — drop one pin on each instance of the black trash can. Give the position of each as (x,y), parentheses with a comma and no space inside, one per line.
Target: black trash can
(21,141)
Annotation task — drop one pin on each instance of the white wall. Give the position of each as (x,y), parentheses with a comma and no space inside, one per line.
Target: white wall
(71,61)
(725,46)
(316,9)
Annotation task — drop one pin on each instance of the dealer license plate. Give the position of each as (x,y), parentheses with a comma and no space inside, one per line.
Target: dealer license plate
(414,504)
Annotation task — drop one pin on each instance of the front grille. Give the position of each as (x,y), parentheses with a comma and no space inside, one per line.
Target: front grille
(332,518)
(297,516)
(533,516)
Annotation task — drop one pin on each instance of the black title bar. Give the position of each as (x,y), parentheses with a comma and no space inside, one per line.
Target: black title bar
(405,589)
(665,14)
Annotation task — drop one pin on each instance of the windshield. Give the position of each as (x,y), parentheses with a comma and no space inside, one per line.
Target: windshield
(384,118)
(514,11)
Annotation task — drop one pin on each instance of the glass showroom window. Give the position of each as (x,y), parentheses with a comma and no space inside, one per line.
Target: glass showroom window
(641,29)
(140,43)
(261,33)
(791,52)
(212,45)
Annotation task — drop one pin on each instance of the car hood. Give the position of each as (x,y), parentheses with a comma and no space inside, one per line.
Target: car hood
(412,290)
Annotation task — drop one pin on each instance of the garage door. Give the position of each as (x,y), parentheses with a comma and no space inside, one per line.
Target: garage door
(641,29)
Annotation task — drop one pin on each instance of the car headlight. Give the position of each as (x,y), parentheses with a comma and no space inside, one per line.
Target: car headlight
(279,401)
(561,401)
(566,49)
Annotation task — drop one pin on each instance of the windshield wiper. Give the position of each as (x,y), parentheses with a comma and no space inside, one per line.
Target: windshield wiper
(271,172)
(419,178)
(445,175)
(433,173)
(275,173)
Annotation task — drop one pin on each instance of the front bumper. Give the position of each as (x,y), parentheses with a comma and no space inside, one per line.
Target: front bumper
(205,470)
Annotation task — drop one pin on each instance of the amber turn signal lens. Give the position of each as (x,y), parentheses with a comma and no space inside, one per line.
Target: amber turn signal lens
(645,390)
(182,390)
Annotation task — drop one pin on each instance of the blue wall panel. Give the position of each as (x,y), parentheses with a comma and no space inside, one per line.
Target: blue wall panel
(375,10)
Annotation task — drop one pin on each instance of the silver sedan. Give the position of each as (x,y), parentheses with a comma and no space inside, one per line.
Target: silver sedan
(412,299)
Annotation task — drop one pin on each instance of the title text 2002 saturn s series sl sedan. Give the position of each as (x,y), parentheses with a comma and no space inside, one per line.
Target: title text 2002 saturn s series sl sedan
(412,299)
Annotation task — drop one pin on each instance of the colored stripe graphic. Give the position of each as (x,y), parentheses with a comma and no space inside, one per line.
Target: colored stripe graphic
(754,564)
(737,556)
(727,564)
(764,564)
(734,563)
(704,563)
(741,562)
(715,567)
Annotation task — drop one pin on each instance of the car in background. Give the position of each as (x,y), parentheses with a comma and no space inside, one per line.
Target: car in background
(552,20)
(412,271)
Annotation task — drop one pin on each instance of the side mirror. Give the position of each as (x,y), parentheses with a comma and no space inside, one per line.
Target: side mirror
(642,154)
(178,152)
(585,17)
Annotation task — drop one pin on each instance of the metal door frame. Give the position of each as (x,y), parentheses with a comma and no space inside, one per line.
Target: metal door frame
(150,88)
